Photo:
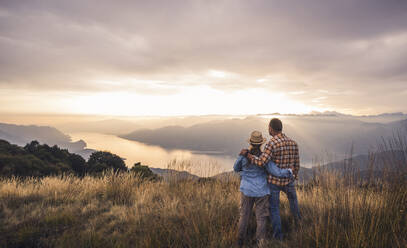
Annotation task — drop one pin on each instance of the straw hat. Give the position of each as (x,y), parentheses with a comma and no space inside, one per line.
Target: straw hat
(256,138)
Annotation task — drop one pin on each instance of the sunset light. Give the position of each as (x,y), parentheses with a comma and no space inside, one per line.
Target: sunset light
(180,123)
(195,100)
(257,60)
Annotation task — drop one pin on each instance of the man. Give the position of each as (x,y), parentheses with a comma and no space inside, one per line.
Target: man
(284,152)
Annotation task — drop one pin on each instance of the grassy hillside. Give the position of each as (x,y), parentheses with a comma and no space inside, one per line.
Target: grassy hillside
(120,210)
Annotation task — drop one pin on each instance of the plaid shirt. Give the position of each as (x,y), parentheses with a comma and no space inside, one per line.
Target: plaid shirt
(284,152)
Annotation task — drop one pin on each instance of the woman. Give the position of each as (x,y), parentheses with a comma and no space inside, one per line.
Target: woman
(254,189)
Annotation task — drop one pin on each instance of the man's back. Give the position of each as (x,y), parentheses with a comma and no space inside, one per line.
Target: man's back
(284,152)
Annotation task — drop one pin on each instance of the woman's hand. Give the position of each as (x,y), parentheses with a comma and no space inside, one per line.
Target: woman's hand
(244,152)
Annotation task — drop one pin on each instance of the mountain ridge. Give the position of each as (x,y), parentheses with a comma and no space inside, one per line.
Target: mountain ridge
(23,134)
(314,136)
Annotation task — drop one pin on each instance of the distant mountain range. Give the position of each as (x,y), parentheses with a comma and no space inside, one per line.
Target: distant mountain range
(123,126)
(375,164)
(228,136)
(397,115)
(108,126)
(321,136)
(126,125)
(224,136)
(168,174)
(21,135)
(317,136)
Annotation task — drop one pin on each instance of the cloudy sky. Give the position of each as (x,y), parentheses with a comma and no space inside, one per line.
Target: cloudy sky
(203,57)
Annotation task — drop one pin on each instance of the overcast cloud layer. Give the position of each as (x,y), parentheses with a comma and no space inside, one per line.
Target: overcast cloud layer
(346,55)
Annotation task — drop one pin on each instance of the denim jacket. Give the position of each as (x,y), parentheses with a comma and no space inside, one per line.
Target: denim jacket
(254,178)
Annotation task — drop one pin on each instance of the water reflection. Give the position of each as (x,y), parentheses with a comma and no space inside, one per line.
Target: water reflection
(155,156)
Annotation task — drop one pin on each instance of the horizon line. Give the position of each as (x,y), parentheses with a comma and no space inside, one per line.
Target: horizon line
(311,113)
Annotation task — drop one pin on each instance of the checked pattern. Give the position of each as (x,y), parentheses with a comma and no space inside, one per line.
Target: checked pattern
(284,152)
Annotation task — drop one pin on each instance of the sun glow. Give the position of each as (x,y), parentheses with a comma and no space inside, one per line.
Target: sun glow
(197,100)
(158,100)
(220,74)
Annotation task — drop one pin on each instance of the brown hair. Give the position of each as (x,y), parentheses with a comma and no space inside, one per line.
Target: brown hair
(276,124)
(255,150)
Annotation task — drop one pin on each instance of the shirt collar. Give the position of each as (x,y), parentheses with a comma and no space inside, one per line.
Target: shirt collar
(280,135)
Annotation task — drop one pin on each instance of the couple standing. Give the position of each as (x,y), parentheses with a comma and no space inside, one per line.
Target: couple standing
(263,175)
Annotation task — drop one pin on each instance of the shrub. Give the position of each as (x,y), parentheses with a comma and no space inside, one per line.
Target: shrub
(144,172)
(103,161)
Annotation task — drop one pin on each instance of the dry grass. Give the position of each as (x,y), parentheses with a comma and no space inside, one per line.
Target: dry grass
(116,210)
(120,210)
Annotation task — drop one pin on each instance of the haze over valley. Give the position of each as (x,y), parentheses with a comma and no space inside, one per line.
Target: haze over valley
(156,141)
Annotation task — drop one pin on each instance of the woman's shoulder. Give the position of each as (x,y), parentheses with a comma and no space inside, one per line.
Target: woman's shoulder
(254,168)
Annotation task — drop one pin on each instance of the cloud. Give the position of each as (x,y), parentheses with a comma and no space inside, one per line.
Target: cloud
(345,47)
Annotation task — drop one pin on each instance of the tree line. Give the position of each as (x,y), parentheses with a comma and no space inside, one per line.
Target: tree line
(39,160)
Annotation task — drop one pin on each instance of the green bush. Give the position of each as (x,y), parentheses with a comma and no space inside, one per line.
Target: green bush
(144,172)
(103,161)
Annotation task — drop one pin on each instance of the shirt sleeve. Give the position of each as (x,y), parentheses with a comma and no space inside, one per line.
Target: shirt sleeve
(296,163)
(238,164)
(272,169)
(264,158)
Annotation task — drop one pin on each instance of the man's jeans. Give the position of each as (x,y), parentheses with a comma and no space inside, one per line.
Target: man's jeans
(289,189)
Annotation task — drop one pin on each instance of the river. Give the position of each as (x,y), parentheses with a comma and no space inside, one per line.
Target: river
(154,156)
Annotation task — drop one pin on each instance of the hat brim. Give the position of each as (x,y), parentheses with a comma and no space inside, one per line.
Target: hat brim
(257,143)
